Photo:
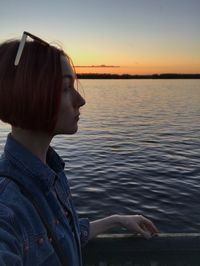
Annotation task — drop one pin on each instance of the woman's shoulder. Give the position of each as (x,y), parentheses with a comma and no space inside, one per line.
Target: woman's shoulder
(11,202)
(9,191)
(15,207)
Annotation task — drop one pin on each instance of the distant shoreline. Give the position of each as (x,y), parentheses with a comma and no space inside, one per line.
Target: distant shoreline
(127,76)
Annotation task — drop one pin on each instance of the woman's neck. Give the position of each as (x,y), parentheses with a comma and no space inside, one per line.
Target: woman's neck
(36,142)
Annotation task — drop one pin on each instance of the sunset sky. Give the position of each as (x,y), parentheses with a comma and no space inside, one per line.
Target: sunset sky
(136,36)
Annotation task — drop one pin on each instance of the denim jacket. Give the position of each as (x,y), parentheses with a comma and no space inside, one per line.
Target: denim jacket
(23,236)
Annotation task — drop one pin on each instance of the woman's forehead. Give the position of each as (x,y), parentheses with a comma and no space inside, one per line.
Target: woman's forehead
(67,70)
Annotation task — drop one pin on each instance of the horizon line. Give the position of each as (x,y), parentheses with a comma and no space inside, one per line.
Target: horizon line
(163,73)
(129,76)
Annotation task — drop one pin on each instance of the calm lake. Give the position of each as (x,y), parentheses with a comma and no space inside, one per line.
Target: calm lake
(137,151)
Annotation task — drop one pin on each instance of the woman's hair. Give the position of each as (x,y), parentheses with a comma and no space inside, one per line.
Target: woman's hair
(30,92)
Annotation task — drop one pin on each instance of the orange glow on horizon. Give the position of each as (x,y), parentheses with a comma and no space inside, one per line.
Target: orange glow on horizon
(139,70)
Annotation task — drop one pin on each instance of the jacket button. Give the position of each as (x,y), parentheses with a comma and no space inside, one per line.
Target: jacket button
(85,233)
(26,248)
(40,241)
(56,221)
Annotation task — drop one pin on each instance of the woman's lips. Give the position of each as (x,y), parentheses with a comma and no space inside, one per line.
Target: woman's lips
(77,117)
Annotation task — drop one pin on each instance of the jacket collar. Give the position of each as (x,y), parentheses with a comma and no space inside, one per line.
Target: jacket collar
(31,166)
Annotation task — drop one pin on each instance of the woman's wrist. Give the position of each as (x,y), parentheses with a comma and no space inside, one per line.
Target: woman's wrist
(113,221)
(122,220)
(119,220)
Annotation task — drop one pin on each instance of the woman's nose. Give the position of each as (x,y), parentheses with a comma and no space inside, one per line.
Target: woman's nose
(80,101)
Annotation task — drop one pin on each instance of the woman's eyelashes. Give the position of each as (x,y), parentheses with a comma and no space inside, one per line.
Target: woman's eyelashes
(69,89)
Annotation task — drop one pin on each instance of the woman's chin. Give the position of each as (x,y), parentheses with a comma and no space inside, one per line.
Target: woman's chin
(68,131)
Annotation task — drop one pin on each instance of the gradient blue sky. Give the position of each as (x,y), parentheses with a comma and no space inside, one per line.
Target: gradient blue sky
(141,36)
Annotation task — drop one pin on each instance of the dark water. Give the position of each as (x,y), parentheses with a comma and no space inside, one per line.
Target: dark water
(137,151)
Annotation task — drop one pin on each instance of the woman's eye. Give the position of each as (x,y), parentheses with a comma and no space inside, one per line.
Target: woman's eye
(65,89)
(69,89)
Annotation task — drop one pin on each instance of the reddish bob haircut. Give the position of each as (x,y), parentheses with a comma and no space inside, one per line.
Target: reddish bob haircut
(30,92)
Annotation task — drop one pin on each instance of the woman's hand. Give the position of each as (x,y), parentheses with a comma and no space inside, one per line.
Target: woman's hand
(138,224)
(134,223)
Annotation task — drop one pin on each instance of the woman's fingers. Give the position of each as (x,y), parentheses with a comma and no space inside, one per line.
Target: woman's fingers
(143,232)
(149,225)
(141,225)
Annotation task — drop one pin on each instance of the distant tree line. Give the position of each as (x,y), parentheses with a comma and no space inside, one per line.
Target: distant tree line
(127,76)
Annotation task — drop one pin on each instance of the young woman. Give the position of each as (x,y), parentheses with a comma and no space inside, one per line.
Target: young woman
(38,222)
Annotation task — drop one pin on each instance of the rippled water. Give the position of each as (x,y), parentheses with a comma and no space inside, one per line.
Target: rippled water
(137,151)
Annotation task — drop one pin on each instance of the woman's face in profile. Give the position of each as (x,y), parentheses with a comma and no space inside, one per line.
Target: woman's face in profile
(71,101)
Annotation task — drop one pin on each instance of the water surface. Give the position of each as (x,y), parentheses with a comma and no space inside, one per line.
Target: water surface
(137,151)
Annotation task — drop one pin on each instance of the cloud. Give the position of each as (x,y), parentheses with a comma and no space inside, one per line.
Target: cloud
(100,66)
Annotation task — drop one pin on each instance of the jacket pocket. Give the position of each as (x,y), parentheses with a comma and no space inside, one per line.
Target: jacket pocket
(44,252)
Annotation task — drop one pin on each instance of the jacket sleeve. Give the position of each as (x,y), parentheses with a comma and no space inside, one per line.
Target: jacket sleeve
(84,230)
(11,249)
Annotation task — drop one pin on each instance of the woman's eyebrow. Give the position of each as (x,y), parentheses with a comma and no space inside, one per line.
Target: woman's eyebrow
(68,76)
